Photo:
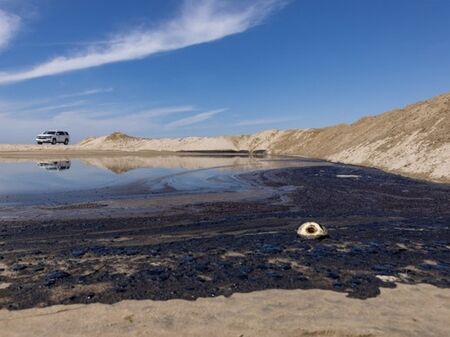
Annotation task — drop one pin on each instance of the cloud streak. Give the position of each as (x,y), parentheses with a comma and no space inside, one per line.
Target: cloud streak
(88,92)
(42,103)
(53,107)
(199,21)
(194,119)
(9,25)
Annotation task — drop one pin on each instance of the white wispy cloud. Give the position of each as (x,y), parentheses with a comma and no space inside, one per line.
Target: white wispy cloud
(199,21)
(50,108)
(203,116)
(49,103)
(89,92)
(9,26)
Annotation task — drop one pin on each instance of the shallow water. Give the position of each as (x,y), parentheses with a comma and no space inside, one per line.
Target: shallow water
(68,175)
(29,178)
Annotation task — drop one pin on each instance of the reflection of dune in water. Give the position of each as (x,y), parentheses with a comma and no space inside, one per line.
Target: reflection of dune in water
(124,164)
(90,178)
(193,173)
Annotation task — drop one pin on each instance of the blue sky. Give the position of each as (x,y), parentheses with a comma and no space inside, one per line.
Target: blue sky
(209,67)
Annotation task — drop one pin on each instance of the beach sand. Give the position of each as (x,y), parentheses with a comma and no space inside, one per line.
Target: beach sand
(419,310)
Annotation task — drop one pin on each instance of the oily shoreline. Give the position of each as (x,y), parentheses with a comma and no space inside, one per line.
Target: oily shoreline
(383,229)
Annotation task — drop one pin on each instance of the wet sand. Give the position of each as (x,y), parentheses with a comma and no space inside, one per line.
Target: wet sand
(386,231)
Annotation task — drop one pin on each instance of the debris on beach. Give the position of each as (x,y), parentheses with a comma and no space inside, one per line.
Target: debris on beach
(312,230)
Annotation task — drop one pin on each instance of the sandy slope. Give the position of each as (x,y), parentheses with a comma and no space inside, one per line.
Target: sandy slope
(413,141)
(419,310)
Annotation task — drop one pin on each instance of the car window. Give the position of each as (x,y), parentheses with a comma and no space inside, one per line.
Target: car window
(49,132)
(59,133)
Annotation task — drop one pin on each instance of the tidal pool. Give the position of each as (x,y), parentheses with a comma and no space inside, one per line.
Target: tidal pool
(57,180)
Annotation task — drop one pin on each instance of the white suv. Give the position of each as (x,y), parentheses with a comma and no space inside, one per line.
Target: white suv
(53,137)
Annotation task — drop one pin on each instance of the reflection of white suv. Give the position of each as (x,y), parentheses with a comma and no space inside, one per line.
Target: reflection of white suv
(59,165)
(53,137)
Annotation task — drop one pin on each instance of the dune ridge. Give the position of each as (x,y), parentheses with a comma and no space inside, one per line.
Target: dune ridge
(413,141)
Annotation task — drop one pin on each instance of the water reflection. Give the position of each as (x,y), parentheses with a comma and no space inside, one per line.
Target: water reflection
(124,164)
(133,174)
(59,165)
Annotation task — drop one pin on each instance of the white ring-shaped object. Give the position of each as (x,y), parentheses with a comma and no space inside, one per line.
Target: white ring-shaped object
(312,230)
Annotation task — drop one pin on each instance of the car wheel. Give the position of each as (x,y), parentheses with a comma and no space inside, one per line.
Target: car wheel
(39,143)
(66,142)
(54,141)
